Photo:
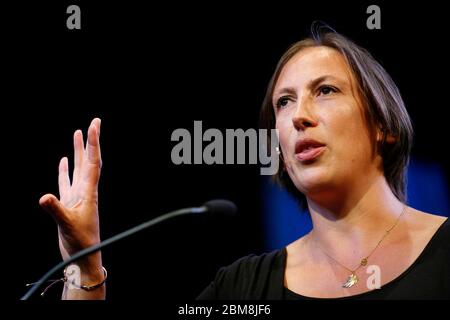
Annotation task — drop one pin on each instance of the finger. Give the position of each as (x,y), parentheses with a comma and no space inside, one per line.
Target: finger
(97,122)
(93,161)
(63,178)
(93,143)
(54,207)
(78,148)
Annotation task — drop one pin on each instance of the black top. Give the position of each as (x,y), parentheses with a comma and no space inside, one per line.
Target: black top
(262,277)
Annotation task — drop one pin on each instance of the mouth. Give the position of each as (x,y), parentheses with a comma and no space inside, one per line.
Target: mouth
(307,150)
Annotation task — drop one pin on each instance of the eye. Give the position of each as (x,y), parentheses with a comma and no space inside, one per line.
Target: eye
(282,102)
(326,90)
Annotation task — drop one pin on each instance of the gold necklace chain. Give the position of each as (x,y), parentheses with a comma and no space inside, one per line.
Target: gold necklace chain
(353,279)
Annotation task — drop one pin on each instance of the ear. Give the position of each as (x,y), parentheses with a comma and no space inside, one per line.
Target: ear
(280,154)
(389,138)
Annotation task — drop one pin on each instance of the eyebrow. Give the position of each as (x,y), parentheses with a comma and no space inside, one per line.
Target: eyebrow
(315,82)
(311,84)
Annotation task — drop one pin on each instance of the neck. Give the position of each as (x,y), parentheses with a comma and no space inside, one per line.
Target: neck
(354,222)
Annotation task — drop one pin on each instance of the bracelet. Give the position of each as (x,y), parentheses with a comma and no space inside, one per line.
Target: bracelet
(86,288)
(65,279)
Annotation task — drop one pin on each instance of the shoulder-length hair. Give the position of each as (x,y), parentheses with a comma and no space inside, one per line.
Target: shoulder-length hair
(383,106)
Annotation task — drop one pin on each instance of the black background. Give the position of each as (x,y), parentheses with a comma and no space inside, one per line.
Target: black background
(146,70)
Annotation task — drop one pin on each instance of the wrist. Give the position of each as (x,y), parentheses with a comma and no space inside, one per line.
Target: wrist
(91,270)
(75,280)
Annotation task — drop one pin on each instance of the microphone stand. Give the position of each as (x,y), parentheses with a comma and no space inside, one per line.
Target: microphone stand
(124,234)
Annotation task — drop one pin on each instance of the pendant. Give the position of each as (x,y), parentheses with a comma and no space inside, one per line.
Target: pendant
(351,281)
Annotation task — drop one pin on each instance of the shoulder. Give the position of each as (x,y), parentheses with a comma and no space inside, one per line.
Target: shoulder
(434,226)
(442,234)
(250,264)
(297,252)
(431,270)
(429,234)
(444,229)
(248,277)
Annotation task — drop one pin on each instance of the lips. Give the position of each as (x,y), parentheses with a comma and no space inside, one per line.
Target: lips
(308,149)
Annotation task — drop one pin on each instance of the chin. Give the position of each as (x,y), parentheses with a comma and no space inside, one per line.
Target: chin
(309,180)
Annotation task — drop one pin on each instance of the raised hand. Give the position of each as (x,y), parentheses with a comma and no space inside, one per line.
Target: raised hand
(76,211)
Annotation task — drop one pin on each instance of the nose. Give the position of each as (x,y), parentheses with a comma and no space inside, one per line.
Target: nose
(303,117)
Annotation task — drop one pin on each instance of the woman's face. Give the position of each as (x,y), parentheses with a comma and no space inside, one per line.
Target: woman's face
(323,133)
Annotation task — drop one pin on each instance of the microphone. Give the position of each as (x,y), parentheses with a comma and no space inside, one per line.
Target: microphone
(212,207)
(220,207)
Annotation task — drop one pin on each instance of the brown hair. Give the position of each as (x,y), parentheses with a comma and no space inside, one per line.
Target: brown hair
(384,109)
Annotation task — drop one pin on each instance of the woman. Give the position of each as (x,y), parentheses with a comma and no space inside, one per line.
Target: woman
(345,138)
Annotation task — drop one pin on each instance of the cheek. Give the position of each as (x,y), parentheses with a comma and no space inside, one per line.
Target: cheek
(350,136)
(285,128)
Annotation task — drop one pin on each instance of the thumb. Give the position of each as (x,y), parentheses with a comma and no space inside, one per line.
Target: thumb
(54,207)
